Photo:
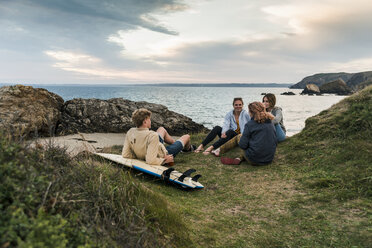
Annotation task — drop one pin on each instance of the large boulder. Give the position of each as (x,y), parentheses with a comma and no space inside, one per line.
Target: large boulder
(114,115)
(338,87)
(25,110)
(311,89)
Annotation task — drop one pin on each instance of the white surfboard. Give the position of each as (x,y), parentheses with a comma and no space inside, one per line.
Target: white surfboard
(167,174)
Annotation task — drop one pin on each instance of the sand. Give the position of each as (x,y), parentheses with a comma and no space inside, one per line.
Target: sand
(77,143)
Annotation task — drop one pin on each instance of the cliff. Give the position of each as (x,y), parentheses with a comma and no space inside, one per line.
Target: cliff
(359,79)
(321,78)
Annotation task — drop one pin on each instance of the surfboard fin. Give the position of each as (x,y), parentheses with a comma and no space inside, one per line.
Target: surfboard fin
(196,177)
(166,174)
(186,174)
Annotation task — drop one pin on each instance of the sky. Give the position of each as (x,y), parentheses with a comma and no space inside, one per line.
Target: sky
(174,41)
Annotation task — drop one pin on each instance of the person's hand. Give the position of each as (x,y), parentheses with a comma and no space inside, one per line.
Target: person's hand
(223,135)
(168,159)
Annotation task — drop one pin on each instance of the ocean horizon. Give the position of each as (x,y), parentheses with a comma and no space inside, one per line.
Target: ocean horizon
(206,104)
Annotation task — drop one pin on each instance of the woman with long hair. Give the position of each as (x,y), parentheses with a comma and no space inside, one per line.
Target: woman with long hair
(233,125)
(258,140)
(269,101)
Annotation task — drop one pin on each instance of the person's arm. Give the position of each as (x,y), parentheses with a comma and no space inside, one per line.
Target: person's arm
(278,116)
(244,140)
(127,151)
(226,123)
(153,151)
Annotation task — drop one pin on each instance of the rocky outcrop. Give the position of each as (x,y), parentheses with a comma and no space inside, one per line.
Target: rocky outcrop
(311,89)
(25,110)
(338,87)
(355,81)
(322,78)
(359,78)
(288,93)
(114,115)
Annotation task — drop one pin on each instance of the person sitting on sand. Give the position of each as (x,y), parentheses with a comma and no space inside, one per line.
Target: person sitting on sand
(233,125)
(258,139)
(144,144)
(269,101)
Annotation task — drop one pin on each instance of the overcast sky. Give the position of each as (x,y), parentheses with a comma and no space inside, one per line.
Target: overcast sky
(169,41)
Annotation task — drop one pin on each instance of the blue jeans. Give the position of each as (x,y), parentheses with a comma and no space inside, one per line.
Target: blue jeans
(280,134)
(174,148)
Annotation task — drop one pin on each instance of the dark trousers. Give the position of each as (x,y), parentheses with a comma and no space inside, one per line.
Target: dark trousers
(216,131)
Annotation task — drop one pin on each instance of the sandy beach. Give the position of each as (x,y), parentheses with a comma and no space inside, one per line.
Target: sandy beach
(77,143)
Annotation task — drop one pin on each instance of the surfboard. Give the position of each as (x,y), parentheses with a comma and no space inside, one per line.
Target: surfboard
(167,174)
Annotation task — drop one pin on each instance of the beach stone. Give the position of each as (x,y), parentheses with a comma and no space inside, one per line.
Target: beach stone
(114,115)
(311,89)
(338,87)
(288,93)
(28,111)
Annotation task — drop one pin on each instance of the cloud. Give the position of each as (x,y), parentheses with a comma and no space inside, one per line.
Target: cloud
(169,41)
(322,35)
(355,65)
(28,28)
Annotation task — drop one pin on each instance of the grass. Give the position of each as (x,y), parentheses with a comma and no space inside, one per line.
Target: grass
(316,193)
(50,200)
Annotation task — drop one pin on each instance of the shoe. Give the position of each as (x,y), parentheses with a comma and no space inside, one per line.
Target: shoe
(234,161)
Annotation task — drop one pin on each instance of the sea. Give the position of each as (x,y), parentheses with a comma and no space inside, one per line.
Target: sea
(206,105)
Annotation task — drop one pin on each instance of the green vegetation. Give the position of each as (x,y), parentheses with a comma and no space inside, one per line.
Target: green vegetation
(317,193)
(50,200)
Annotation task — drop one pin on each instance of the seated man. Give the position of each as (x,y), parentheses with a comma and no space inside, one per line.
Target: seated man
(144,144)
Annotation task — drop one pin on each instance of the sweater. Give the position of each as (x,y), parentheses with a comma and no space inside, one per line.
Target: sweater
(144,144)
(259,141)
(277,113)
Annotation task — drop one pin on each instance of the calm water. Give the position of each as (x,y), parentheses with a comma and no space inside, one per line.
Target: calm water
(207,105)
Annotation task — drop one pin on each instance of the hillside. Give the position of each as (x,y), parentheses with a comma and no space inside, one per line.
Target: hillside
(316,193)
(355,81)
(358,79)
(321,78)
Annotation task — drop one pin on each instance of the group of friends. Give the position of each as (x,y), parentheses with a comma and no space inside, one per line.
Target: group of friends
(256,131)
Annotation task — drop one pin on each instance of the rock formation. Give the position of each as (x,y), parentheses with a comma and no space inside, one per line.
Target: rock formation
(338,87)
(311,89)
(288,93)
(322,78)
(360,78)
(25,110)
(355,81)
(114,115)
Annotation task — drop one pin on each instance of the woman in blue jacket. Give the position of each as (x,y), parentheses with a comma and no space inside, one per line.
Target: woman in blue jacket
(258,139)
(233,125)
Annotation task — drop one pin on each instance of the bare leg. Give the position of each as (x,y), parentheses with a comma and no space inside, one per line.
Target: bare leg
(165,135)
(186,141)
